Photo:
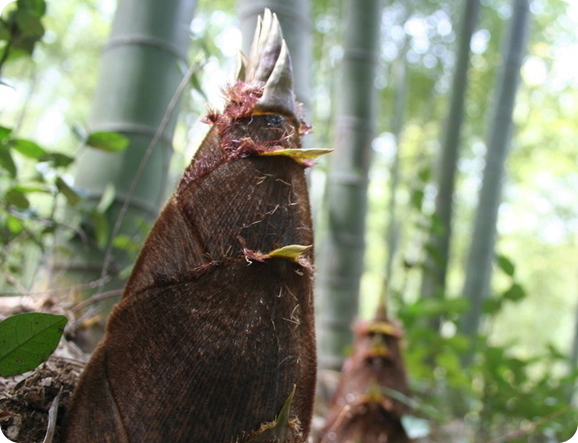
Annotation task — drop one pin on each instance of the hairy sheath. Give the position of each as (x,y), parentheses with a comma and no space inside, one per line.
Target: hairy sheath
(213,339)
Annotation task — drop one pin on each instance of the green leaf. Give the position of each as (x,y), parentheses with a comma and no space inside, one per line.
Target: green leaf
(101,228)
(17,198)
(27,189)
(58,160)
(4,31)
(4,133)
(125,243)
(106,199)
(506,265)
(6,161)
(492,306)
(14,225)
(71,196)
(515,293)
(29,23)
(37,7)
(417,198)
(28,148)
(108,141)
(26,340)
(424,174)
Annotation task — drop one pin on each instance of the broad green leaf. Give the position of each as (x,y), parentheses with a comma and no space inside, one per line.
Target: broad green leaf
(71,196)
(6,161)
(26,340)
(29,23)
(37,7)
(58,160)
(17,198)
(4,133)
(14,225)
(28,148)
(515,293)
(506,265)
(492,306)
(108,141)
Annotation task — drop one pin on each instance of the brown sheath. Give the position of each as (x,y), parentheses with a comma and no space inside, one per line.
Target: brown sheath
(215,329)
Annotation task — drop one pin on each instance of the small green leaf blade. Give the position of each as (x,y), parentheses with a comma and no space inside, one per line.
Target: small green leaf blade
(29,23)
(27,340)
(506,265)
(70,194)
(108,141)
(7,162)
(4,133)
(57,159)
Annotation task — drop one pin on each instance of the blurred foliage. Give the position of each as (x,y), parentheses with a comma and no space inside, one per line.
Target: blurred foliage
(36,192)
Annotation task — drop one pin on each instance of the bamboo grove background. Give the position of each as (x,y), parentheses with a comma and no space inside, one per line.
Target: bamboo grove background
(450,192)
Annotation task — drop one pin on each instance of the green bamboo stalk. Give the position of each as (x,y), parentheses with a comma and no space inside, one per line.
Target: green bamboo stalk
(341,251)
(481,255)
(434,276)
(400,81)
(142,66)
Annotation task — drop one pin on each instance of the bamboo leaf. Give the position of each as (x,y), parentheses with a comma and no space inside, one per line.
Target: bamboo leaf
(492,306)
(4,132)
(71,196)
(6,161)
(107,198)
(4,31)
(17,198)
(506,265)
(26,340)
(101,228)
(37,7)
(14,225)
(28,148)
(58,160)
(515,293)
(108,141)
(29,23)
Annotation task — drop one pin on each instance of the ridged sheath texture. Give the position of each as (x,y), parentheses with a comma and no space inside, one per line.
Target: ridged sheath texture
(213,339)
